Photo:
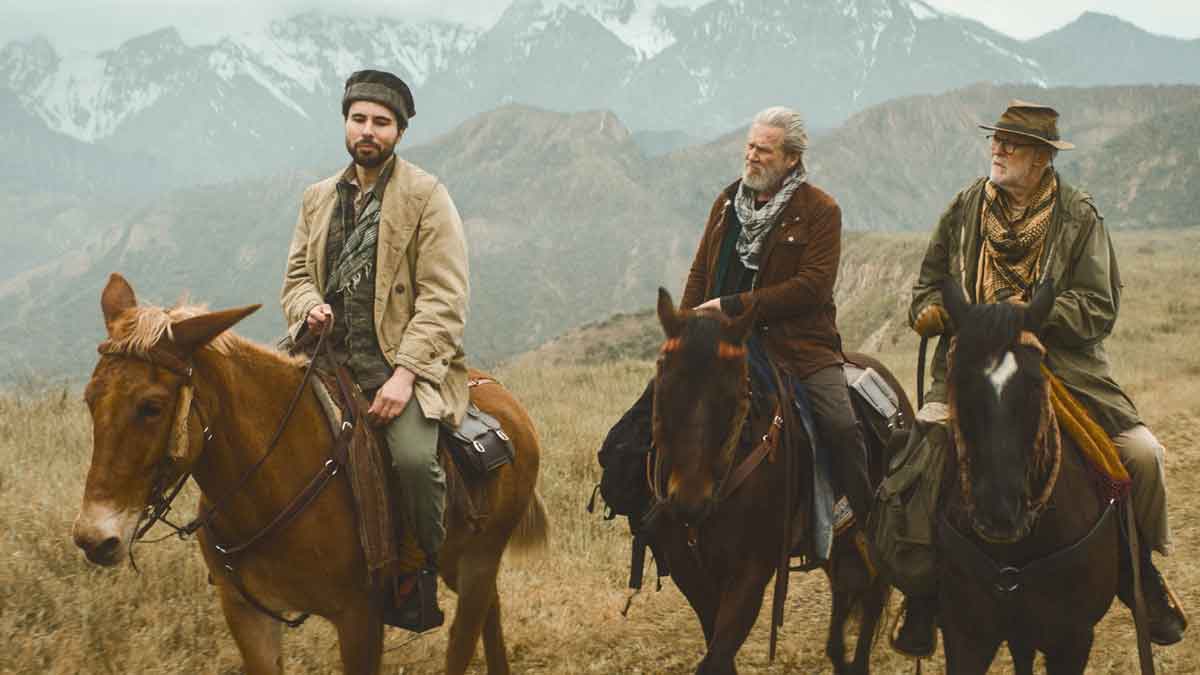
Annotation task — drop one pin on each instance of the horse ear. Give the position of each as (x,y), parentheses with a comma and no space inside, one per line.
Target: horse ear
(742,325)
(671,322)
(954,300)
(192,334)
(1040,306)
(116,297)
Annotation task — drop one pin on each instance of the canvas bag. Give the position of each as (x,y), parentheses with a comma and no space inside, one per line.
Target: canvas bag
(902,521)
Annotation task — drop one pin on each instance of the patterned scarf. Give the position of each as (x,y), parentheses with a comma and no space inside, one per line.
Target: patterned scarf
(358,252)
(1013,241)
(756,223)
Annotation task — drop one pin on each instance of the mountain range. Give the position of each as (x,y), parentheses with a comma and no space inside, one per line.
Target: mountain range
(568,220)
(265,100)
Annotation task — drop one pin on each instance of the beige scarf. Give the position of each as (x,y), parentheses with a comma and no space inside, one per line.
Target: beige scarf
(1013,240)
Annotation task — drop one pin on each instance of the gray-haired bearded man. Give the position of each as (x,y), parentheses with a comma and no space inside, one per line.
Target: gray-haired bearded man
(1000,237)
(774,240)
(379,260)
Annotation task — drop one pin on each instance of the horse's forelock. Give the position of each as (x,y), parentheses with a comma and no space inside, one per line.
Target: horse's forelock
(989,331)
(700,341)
(142,327)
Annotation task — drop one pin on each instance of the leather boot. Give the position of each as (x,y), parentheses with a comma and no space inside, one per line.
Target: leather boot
(918,634)
(417,610)
(1166,616)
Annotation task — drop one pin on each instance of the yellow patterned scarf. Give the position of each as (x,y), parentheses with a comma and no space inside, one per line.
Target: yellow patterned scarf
(1013,240)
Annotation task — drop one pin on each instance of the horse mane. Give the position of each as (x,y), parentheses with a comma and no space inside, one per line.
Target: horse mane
(140,328)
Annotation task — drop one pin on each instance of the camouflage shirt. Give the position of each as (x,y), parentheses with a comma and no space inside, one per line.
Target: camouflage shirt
(355,223)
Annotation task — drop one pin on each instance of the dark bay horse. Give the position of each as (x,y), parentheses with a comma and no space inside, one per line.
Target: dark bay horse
(1029,550)
(723,548)
(144,428)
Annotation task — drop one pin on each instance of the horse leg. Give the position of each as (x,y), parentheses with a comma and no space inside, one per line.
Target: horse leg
(737,610)
(258,636)
(965,656)
(493,640)
(1070,656)
(874,599)
(1022,656)
(476,582)
(835,644)
(699,589)
(360,638)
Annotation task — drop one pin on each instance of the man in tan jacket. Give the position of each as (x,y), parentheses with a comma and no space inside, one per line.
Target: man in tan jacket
(378,259)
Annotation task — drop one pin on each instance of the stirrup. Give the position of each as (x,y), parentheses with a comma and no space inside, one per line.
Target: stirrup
(418,611)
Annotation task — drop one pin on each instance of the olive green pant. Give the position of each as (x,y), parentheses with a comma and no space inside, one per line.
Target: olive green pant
(419,479)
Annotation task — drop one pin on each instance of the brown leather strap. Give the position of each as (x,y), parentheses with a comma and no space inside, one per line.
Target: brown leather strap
(293,509)
(747,466)
(1141,622)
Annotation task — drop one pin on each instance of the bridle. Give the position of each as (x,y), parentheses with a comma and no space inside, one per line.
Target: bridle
(1047,442)
(735,474)
(166,488)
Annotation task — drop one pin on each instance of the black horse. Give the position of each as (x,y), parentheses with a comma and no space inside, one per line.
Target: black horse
(1030,549)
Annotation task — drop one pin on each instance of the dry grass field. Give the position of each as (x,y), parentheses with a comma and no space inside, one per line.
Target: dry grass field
(58,614)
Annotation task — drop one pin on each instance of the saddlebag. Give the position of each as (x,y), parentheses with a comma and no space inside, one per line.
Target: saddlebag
(479,445)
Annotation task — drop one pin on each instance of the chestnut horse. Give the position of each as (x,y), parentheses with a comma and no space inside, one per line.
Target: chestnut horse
(1028,549)
(144,429)
(722,532)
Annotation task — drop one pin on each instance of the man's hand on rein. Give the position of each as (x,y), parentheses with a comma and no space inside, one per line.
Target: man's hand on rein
(932,321)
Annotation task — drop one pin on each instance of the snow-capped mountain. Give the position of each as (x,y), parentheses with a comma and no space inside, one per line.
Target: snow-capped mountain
(265,100)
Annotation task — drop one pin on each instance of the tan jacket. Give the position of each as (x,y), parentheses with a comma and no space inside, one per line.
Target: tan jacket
(421,285)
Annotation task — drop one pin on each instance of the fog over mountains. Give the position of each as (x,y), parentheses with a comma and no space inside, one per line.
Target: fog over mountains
(583,143)
(258,102)
(568,221)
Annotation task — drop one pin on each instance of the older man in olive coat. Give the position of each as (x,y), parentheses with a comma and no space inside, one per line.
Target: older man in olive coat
(999,237)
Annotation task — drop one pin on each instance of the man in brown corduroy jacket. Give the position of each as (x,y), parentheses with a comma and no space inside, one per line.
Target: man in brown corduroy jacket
(774,239)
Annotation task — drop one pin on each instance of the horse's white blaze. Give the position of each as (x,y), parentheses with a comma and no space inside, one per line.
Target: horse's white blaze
(1001,373)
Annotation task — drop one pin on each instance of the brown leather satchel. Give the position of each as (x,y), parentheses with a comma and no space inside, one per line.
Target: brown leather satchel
(479,445)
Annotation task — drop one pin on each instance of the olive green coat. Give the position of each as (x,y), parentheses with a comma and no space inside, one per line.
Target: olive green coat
(421,285)
(1079,257)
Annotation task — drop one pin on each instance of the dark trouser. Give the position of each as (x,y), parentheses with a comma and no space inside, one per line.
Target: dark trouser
(838,427)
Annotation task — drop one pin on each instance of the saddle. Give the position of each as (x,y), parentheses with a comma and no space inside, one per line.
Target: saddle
(828,515)
(468,453)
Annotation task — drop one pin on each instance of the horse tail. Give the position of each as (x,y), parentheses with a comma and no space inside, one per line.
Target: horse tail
(533,531)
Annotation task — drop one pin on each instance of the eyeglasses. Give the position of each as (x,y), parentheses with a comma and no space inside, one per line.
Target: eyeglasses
(1008,147)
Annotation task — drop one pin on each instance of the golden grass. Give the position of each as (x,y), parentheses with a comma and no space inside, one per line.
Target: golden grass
(59,614)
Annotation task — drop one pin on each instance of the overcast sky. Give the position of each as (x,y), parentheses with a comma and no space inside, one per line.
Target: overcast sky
(86,25)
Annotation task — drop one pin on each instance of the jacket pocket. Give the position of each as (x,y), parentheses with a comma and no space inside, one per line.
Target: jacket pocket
(787,252)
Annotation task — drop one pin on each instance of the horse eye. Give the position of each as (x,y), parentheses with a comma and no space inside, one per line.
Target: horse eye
(149,409)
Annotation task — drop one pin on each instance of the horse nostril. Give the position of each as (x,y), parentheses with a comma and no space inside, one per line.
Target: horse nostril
(105,552)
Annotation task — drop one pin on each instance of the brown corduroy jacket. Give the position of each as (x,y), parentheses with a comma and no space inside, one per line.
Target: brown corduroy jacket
(793,292)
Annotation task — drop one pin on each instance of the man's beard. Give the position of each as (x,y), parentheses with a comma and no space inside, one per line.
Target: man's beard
(766,180)
(368,157)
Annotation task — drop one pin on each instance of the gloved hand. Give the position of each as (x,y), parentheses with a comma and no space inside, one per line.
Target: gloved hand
(932,321)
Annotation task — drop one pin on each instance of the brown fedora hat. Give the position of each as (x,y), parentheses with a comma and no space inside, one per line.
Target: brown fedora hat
(1033,120)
